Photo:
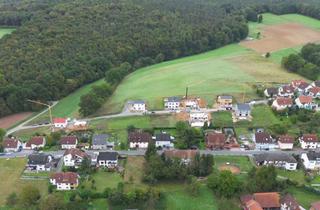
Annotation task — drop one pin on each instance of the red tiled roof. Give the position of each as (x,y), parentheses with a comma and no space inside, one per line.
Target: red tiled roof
(286,139)
(305,99)
(282,101)
(315,206)
(36,140)
(59,120)
(288,89)
(297,82)
(263,138)
(253,205)
(10,143)
(182,154)
(314,90)
(214,140)
(65,177)
(75,152)
(309,138)
(268,200)
(139,137)
(68,140)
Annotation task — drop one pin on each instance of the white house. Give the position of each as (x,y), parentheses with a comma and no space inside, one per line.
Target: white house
(60,122)
(264,141)
(139,140)
(39,162)
(163,140)
(282,103)
(285,142)
(309,141)
(68,142)
(305,102)
(198,119)
(279,160)
(286,91)
(172,103)
(191,103)
(74,157)
(137,106)
(311,160)
(107,159)
(65,180)
(11,145)
(36,142)
(243,111)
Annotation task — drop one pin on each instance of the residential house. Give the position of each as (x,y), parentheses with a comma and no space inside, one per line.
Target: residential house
(65,180)
(264,141)
(191,103)
(74,157)
(186,156)
(137,106)
(316,83)
(315,206)
(172,103)
(11,145)
(102,142)
(163,140)
(36,142)
(314,92)
(139,140)
(282,103)
(39,162)
(261,201)
(305,102)
(289,203)
(243,111)
(78,125)
(68,142)
(198,119)
(279,160)
(224,102)
(302,88)
(271,92)
(285,142)
(286,91)
(215,140)
(60,122)
(296,83)
(309,141)
(311,160)
(108,159)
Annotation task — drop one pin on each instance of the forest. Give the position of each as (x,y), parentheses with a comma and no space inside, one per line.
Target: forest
(61,45)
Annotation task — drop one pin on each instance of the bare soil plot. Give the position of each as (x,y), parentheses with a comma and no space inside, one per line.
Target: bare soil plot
(231,168)
(8,121)
(283,36)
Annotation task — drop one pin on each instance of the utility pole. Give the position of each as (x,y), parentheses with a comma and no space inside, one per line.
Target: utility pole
(187,92)
(47,105)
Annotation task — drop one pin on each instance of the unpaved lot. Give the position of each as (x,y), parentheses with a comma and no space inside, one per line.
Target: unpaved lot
(282,36)
(8,121)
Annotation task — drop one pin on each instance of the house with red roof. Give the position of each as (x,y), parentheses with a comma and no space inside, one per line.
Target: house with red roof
(314,92)
(315,206)
(35,143)
(286,91)
(309,141)
(60,122)
(261,201)
(285,142)
(11,145)
(65,180)
(282,103)
(264,141)
(289,203)
(297,83)
(68,142)
(305,102)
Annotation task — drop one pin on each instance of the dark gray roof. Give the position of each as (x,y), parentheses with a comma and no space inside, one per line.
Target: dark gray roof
(107,156)
(100,139)
(317,83)
(243,107)
(163,137)
(38,159)
(225,97)
(272,91)
(136,102)
(173,99)
(274,157)
(312,155)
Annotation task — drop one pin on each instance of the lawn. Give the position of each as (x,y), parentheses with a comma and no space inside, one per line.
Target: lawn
(104,180)
(297,176)
(222,119)
(304,197)
(26,134)
(4,31)
(242,162)
(263,117)
(10,181)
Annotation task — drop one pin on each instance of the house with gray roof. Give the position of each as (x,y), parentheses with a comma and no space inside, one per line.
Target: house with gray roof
(163,140)
(39,162)
(172,103)
(102,142)
(311,160)
(243,111)
(108,159)
(279,160)
(225,102)
(137,106)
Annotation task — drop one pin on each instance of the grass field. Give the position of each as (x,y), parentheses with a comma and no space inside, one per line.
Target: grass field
(222,119)
(297,176)
(263,116)
(104,180)
(304,197)
(134,173)
(4,31)
(242,162)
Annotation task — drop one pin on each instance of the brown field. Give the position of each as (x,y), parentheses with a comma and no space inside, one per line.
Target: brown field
(8,121)
(233,169)
(283,36)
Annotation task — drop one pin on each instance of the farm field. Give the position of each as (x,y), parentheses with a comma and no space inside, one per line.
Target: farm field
(11,120)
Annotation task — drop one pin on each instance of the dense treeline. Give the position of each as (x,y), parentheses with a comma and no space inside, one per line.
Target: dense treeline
(306,63)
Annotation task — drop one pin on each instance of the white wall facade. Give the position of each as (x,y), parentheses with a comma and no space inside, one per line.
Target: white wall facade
(141,145)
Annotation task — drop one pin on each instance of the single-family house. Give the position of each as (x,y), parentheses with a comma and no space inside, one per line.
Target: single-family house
(316,83)
(224,102)
(78,125)
(264,141)
(68,142)
(74,157)
(60,122)
(302,88)
(186,156)
(172,103)
(65,180)
(289,203)
(36,142)
(309,141)
(271,92)
(305,102)
(285,142)
(279,160)
(315,206)
(282,103)
(163,140)
(192,103)
(39,162)
(11,145)
(102,142)
(107,159)
(243,111)
(261,201)
(314,92)
(198,119)
(297,83)
(139,139)
(215,140)
(137,106)
(311,160)
(286,91)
